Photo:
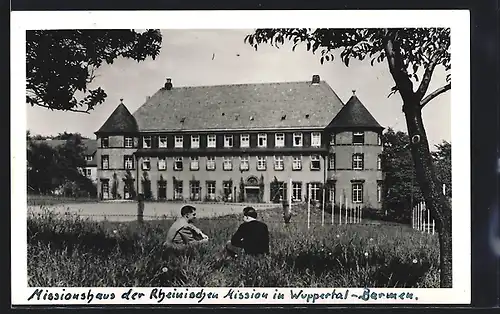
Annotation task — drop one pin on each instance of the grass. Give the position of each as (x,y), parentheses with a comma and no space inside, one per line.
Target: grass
(69,251)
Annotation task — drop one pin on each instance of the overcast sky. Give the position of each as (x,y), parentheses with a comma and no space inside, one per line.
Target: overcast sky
(215,57)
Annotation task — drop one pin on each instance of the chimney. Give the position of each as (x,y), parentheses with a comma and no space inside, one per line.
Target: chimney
(315,79)
(168,84)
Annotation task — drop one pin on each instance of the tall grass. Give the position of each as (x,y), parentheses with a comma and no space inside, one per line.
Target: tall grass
(66,250)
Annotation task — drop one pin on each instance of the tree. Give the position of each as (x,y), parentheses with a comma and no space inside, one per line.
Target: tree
(401,191)
(442,161)
(412,54)
(61,63)
(129,183)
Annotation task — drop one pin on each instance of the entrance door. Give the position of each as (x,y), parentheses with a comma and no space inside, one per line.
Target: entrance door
(252,195)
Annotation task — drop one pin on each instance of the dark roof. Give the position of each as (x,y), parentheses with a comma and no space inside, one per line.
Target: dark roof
(242,106)
(90,147)
(120,121)
(354,114)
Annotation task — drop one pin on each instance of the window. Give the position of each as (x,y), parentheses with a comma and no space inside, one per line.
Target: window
(278,163)
(297,139)
(88,172)
(178,164)
(194,187)
(332,139)
(194,164)
(279,140)
(296,191)
(211,190)
(128,162)
(128,142)
(357,193)
(146,163)
(178,189)
(261,163)
(357,162)
(227,190)
(105,142)
(315,191)
(105,189)
(315,139)
(297,163)
(245,140)
(227,163)
(315,162)
(244,165)
(195,141)
(379,139)
(262,140)
(88,158)
(178,141)
(105,162)
(379,191)
(146,142)
(211,163)
(162,141)
(331,193)
(162,190)
(162,163)
(358,138)
(331,162)
(211,141)
(280,193)
(379,162)
(228,141)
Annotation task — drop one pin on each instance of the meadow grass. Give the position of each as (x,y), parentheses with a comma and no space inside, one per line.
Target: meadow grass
(69,251)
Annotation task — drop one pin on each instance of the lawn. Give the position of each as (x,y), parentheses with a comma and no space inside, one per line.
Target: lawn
(71,251)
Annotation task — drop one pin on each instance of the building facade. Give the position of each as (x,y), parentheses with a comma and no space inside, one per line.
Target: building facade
(243,143)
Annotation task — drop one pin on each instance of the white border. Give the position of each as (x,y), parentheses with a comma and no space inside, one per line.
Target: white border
(457,20)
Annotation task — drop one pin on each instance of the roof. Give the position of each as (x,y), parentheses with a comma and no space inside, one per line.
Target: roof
(242,106)
(120,121)
(89,144)
(354,114)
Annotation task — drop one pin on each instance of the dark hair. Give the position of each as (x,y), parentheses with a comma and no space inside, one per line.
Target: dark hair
(250,212)
(187,209)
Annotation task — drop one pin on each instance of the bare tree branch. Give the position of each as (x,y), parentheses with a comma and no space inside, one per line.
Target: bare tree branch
(434,94)
(71,110)
(426,79)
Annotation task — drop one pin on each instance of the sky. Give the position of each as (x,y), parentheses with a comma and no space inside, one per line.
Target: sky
(220,57)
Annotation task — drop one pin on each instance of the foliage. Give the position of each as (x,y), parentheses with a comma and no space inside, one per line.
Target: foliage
(76,252)
(401,191)
(261,189)
(114,187)
(442,161)
(50,168)
(241,196)
(60,64)
(129,182)
(274,188)
(146,186)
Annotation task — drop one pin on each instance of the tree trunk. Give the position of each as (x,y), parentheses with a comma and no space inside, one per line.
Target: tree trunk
(434,200)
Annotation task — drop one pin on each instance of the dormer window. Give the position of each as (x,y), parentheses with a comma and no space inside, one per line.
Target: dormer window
(178,141)
(105,142)
(262,140)
(316,139)
(162,141)
(297,139)
(245,140)
(128,142)
(195,141)
(358,138)
(279,140)
(146,142)
(228,141)
(211,141)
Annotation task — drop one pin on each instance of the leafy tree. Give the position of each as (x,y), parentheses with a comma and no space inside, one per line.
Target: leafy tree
(241,196)
(129,183)
(401,191)
(411,54)
(146,186)
(67,136)
(60,64)
(442,161)
(42,165)
(114,187)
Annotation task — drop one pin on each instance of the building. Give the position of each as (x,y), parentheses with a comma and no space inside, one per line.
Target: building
(90,167)
(243,143)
